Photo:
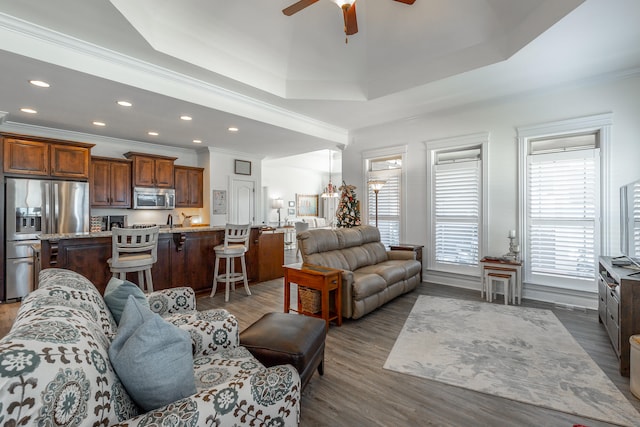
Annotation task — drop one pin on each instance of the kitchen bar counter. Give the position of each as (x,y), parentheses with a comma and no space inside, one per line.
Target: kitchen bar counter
(163,230)
(185,256)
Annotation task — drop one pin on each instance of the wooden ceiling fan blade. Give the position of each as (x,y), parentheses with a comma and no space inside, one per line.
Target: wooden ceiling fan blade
(350,21)
(406,1)
(297,7)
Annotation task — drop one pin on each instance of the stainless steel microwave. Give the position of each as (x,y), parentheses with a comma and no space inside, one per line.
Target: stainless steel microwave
(154,198)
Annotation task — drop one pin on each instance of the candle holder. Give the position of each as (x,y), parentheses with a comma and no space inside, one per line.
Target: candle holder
(514,248)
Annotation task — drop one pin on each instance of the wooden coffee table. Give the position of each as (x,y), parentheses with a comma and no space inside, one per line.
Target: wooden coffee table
(323,279)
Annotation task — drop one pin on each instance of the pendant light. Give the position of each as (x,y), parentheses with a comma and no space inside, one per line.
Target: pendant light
(330,189)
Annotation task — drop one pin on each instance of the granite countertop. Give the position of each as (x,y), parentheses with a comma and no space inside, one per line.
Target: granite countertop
(163,230)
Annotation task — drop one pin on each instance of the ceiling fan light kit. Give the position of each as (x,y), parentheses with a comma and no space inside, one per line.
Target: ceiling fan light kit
(348,12)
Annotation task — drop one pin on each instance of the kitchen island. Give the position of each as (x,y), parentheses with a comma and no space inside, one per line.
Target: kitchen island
(185,256)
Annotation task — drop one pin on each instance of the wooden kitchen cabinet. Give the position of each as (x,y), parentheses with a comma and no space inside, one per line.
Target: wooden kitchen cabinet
(110,182)
(184,258)
(189,186)
(150,170)
(68,161)
(44,157)
(26,157)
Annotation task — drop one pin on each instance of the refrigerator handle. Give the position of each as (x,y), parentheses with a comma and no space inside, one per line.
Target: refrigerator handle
(46,207)
(55,207)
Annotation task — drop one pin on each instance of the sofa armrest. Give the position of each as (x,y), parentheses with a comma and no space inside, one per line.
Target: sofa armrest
(347,293)
(174,300)
(270,396)
(212,331)
(401,255)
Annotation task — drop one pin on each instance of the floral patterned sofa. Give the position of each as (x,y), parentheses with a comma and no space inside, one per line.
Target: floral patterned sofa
(55,367)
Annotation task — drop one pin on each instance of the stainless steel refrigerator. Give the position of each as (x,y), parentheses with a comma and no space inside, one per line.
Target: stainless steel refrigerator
(35,207)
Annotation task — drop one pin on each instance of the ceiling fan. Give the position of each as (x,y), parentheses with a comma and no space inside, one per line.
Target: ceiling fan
(348,12)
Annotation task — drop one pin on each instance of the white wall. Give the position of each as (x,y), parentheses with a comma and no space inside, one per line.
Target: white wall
(501,118)
(286,177)
(222,164)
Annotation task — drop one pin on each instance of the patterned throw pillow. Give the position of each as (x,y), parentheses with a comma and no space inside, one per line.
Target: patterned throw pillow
(117,293)
(152,358)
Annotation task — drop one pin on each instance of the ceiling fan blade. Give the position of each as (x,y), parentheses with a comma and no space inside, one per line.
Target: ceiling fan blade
(297,7)
(406,1)
(350,22)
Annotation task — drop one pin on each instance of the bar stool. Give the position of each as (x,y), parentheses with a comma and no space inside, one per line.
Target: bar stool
(503,278)
(236,244)
(134,249)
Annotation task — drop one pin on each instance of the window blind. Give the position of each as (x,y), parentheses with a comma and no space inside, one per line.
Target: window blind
(457,212)
(388,207)
(563,213)
(636,220)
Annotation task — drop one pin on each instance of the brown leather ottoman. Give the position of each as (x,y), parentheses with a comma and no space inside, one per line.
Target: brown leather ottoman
(288,338)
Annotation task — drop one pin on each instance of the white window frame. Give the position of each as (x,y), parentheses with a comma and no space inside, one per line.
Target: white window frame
(434,147)
(369,155)
(600,124)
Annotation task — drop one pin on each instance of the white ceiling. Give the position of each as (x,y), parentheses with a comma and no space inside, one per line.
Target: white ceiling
(292,84)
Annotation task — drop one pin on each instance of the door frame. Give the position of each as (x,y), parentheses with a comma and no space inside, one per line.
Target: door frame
(233,214)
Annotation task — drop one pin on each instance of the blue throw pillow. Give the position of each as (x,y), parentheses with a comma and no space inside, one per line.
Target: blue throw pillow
(117,293)
(152,358)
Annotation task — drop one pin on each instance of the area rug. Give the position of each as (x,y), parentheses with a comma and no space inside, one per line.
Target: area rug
(519,353)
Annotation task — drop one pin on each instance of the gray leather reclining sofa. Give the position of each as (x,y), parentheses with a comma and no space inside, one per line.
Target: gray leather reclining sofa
(372,275)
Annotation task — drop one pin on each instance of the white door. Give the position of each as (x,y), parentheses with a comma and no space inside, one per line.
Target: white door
(243,202)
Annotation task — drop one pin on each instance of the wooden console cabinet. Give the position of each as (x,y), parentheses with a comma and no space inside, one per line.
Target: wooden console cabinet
(619,307)
(42,157)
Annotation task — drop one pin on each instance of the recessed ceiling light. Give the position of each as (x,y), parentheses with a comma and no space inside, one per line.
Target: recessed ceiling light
(125,103)
(197,141)
(186,118)
(153,133)
(99,123)
(233,129)
(39,83)
(28,110)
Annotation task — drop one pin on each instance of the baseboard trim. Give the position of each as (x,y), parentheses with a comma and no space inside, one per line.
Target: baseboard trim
(560,296)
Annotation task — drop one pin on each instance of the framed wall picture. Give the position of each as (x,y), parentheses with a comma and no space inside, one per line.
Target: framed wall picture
(292,204)
(219,202)
(291,211)
(242,167)
(307,204)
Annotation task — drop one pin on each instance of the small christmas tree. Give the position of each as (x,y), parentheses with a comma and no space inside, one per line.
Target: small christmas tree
(348,213)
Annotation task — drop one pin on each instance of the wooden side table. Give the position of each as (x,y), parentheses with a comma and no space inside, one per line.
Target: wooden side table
(323,279)
(500,265)
(417,249)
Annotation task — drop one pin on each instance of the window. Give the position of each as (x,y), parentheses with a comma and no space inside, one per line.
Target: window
(563,214)
(384,208)
(560,211)
(456,214)
(457,209)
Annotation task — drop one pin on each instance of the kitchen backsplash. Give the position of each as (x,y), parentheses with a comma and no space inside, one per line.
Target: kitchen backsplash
(159,217)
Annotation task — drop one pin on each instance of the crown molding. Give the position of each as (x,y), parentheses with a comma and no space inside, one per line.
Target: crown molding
(68,135)
(34,41)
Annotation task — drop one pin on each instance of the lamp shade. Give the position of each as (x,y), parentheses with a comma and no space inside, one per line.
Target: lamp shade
(377,185)
(277,204)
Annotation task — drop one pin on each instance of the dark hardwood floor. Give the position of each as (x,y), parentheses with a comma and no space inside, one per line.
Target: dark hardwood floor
(356,391)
